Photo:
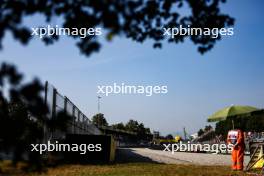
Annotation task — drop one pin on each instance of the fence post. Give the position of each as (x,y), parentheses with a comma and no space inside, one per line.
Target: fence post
(46,93)
(79,122)
(65,111)
(65,104)
(45,129)
(53,112)
(83,123)
(73,122)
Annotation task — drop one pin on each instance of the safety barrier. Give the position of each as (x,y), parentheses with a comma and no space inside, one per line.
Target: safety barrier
(103,152)
(256,156)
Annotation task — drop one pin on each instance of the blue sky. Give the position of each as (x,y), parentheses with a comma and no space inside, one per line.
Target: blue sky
(198,85)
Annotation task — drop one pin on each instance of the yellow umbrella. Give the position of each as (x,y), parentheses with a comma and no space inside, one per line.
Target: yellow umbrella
(231,111)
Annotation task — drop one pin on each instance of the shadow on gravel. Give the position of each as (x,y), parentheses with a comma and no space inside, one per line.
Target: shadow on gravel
(127,155)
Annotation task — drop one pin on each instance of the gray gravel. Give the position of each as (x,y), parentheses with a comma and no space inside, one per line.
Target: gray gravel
(149,155)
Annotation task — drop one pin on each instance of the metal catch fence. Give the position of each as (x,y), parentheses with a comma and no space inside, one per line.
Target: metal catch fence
(79,123)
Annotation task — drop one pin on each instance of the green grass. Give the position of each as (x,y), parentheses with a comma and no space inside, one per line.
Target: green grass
(131,169)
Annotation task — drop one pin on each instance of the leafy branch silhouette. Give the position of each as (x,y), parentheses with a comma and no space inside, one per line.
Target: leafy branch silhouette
(138,20)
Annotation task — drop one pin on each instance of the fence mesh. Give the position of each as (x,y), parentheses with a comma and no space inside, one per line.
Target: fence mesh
(79,123)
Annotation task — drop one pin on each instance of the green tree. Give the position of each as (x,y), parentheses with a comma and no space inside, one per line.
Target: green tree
(138,20)
(132,125)
(169,136)
(99,120)
(142,130)
(119,126)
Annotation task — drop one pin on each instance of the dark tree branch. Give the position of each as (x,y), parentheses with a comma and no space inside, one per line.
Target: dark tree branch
(139,20)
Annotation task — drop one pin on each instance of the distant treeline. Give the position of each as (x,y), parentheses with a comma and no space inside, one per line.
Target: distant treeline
(130,126)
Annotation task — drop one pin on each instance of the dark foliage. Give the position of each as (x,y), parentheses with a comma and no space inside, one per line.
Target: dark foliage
(138,20)
(119,126)
(132,126)
(169,136)
(23,115)
(99,120)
